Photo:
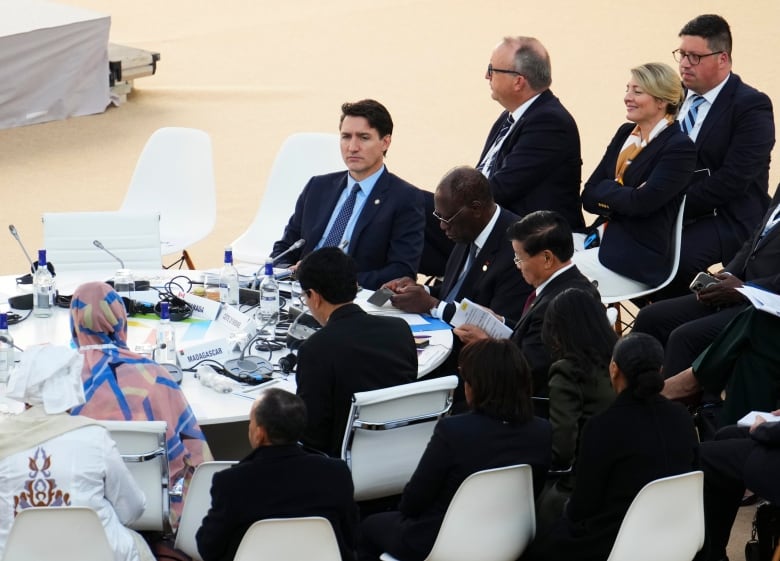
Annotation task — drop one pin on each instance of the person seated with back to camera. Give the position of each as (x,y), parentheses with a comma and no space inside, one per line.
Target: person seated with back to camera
(121,385)
(49,458)
(353,352)
(499,430)
(278,479)
(638,186)
(641,437)
(580,339)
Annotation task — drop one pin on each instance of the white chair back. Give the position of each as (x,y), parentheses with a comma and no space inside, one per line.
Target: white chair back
(142,446)
(388,430)
(491,518)
(289,539)
(665,521)
(196,504)
(134,237)
(57,534)
(301,156)
(174,176)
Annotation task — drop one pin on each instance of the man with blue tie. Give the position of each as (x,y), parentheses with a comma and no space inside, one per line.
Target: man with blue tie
(374,216)
(732,126)
(532,153)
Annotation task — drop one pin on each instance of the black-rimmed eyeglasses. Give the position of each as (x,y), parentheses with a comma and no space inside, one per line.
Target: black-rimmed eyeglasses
(490,71)
(693,58)
(440,218)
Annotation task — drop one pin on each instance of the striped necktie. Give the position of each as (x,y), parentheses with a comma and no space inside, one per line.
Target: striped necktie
(690,118)
(491,155)
(340,224)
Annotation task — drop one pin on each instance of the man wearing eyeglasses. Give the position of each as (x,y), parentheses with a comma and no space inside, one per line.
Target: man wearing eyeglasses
(732,126)
(532,154)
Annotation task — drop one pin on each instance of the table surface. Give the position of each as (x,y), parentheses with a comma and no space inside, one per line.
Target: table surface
(209,406)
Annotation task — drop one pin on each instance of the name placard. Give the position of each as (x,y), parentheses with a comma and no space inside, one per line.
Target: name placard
(216,349)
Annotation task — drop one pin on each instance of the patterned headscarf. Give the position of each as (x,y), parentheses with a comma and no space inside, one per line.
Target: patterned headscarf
(122,385)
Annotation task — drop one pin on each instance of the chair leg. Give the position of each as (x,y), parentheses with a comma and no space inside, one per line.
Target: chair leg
(183,259)
(187,259)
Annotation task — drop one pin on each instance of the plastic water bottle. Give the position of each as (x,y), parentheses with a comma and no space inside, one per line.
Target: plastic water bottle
(43,288)
(269,294)
(6,350)
(166,338)
(228,281)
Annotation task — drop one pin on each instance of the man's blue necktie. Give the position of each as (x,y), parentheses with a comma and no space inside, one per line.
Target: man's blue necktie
(340,224)
(690,118)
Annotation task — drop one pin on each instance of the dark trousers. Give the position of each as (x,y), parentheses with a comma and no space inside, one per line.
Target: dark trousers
(685,328)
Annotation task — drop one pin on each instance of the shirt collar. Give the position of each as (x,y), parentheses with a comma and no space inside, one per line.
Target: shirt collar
(481,239)
(711,95)
(555,274)
(367,184)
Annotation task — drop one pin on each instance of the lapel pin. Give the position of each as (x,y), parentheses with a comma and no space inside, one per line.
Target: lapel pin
(376,201)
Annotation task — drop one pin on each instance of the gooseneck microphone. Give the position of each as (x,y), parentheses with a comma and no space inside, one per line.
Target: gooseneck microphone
(9,341)
(99,245)
(251,364)
(15,234)
(290,249)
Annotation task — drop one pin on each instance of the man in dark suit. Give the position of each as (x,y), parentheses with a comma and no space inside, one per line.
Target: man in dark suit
(480,266)
(353,352)
(532,154)
(688,324)
(543,247)
(373,215)
(732,126)
(736,459)
(277,480)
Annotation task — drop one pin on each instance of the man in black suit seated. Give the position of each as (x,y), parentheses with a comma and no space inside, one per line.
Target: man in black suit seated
(738,458)
(688,324)
(732,126)
(277,480)
(353,352)
(480,266)
(543,247)
(373,215)
(532,153)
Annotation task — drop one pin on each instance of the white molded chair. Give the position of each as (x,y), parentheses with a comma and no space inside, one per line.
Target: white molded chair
(665,521)
(196,504)
(491,518)
(134,237)
(301,156)
(289,539)
(387,432)
(57,534)
(142,446)
(174,176)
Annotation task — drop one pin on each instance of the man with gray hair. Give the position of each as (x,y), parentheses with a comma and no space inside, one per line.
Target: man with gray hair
(532,154)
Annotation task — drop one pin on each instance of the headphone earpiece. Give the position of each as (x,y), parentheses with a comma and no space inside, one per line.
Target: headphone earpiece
(287,363)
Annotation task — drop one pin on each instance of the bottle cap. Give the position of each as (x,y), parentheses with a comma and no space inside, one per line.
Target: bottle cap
(228,255)
(41,257)
(269,266)
(3,321)
(165,310)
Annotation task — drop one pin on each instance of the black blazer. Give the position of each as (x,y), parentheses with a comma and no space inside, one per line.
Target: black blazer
(763,463)
(528,331)
(734,143)
(539,165)
(622,449)
(387,241)
(639,240)
(353,352)
(277,482)
(493,280)
(758,261)
(462,445)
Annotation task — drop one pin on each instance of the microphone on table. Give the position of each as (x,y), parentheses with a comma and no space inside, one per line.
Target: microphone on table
(9,341)
(248,364)
(15,234)
(255,285)
(99,245)
(27,279)
(299,331)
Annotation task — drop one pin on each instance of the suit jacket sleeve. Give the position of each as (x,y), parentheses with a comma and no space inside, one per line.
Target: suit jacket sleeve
(593,458)
(406,242)
(603,195)
(533,348)
(314,386)
(535,155)
(750,141)
(216,531)
(293,230)
(427,480)
(767,434)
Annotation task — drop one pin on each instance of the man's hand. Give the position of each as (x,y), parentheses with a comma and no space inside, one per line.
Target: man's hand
(412,298)
(469,333)
(398,284)
(761,420)
(722,293)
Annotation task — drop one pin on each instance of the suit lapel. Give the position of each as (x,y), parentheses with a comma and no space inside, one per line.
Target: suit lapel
(646,157)
(378,197)
(722,102)
(454,266)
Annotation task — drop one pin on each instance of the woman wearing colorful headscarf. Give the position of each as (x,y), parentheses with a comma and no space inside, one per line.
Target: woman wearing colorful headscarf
(122,385)
(49,458)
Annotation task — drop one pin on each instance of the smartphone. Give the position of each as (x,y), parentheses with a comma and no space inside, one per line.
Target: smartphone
(379,297)
(702,280)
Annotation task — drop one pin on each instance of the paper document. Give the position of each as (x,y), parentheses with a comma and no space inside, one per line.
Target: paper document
(761,299)
(467,312)
(750,418)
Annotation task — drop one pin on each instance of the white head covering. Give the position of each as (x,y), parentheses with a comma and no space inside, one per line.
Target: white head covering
(48,375)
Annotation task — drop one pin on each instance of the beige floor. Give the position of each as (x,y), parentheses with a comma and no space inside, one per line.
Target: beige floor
(252,72)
